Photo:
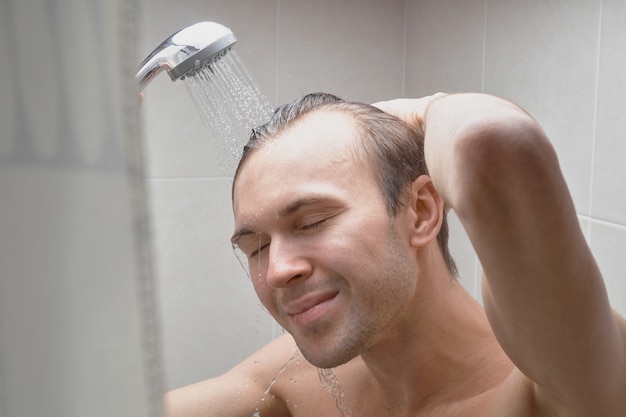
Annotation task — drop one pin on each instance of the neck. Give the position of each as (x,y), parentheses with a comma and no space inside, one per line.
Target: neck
(450,355)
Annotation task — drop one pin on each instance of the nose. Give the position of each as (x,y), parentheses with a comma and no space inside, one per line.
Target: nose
(286,263)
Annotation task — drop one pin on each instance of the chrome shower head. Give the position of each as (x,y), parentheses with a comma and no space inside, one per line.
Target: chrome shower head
(186,51)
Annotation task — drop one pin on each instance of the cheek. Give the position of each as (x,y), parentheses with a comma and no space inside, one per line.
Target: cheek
(264,292)
(268,303)
(261,289)
(358,247)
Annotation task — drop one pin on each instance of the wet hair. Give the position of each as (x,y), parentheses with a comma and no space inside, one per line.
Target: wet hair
(393,149)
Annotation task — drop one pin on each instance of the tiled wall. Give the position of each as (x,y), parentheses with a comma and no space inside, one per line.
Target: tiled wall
(564,61)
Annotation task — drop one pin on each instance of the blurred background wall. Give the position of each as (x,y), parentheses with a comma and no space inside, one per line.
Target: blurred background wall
(562,60)
(77,320)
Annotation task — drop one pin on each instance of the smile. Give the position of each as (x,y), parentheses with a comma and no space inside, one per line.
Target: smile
(311,308)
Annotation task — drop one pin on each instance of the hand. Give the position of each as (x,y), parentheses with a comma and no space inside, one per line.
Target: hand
(410,110)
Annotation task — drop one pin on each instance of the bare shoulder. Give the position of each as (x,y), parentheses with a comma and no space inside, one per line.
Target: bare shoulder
(274,381)
(242,391)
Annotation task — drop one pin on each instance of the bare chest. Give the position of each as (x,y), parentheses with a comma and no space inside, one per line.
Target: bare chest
(510,399)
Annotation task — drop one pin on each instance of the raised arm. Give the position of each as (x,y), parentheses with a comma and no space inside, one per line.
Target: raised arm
(542,290)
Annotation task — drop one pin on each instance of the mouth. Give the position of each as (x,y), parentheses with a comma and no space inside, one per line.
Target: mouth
(311,308)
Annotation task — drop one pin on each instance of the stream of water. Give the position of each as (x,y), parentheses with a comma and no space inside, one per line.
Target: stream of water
(331,384)
(230,104)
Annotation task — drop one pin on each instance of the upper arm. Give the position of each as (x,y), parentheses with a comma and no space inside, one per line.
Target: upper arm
(543,292)
(238,393)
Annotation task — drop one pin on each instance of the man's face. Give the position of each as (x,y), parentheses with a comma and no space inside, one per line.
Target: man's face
(325,258)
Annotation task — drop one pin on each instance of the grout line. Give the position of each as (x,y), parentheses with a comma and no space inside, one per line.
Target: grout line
(484,66)
(277,53)
(594,131)
(404,49)
(603,222)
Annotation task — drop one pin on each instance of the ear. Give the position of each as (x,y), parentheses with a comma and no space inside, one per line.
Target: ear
(427,208)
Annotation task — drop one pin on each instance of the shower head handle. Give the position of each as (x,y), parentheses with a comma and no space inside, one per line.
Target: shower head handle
(186,51)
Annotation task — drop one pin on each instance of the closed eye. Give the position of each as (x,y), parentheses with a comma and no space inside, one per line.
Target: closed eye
(251,245)
(317,218)
(258,251)
(314,224)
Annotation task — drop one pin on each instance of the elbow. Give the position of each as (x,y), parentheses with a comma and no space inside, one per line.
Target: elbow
(512,143)
(511,134)
(502,157)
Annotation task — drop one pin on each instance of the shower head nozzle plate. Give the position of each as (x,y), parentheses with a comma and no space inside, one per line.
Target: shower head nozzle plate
(186,51)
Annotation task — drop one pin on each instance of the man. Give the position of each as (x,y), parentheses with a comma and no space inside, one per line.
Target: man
(343,230)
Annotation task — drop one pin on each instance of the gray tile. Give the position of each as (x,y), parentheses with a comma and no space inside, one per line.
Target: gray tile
(542,55)
(609,199)
(352,48)
(608,243)
(444,46)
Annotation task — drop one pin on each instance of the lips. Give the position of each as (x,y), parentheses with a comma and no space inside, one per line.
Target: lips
(310,307)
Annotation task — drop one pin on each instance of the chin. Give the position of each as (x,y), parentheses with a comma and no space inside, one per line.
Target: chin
(327,358)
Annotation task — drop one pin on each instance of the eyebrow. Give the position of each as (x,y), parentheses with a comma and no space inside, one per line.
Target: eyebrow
(288,210)
(299,203)
(239,233)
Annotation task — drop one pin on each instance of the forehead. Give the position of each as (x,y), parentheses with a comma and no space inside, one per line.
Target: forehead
(315,155)
(321,136)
